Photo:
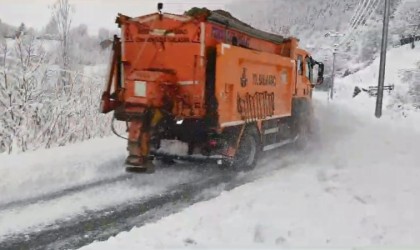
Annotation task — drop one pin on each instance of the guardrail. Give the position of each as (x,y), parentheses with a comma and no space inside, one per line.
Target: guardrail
(408,40)
(372,90)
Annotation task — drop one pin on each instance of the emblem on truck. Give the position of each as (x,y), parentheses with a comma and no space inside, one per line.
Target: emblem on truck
(263,79)
(244,78)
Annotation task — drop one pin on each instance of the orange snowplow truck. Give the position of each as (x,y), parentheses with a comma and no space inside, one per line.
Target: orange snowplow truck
(205,85)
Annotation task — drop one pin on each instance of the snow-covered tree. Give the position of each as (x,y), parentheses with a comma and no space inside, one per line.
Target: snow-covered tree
(7,31)
(406,21)
(50,30)
(47,98)
(22,77)
(36,111)
(312,21)
(62,12)
(21,30)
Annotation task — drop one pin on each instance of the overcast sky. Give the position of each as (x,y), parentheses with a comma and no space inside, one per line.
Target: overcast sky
(94,13)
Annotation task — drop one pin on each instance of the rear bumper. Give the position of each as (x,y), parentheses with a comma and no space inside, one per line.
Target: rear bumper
(122,114)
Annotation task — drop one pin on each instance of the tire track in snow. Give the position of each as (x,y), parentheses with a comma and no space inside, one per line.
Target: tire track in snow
(102,224)
(71,190)
(208,182)
(63,192)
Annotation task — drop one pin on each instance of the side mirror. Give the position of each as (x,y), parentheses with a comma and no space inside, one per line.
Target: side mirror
(320,79)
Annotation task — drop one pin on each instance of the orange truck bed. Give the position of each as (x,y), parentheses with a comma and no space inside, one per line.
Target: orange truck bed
(252,85)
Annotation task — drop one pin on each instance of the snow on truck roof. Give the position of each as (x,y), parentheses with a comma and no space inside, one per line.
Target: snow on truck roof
(223,18)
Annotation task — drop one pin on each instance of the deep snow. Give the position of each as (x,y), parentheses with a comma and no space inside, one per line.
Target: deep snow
(399,61)
(357,185)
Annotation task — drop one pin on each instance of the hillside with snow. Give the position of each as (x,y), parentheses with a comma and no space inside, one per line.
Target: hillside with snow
(402,72)
(314,21)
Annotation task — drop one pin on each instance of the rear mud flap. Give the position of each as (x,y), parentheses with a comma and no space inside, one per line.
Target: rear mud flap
(137,164)
(139,170)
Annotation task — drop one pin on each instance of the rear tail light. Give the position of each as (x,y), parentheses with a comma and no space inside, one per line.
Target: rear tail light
(213,143)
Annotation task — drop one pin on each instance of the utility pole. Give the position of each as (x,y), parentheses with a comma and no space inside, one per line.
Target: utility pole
(333,75)
(335,35)
(378,110)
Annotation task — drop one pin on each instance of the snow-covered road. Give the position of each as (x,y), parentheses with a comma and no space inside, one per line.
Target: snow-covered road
(81,193)
(43,188)
(358,185)
(83,188)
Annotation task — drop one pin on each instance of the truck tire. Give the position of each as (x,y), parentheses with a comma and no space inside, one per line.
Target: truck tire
(303,135)
(248,152)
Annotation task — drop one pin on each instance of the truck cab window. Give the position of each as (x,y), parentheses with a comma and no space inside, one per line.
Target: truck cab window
(300,65)
(308,69)
(234,41)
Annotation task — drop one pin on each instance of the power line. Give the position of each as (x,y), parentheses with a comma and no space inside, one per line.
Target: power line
(354,17)
(356,14)
(363,13)
(371,7)
(356,21)
(368,13)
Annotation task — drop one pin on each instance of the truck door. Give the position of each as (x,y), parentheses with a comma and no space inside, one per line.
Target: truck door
(299,75)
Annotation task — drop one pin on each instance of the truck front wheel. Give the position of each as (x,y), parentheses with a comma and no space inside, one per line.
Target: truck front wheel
(248,152)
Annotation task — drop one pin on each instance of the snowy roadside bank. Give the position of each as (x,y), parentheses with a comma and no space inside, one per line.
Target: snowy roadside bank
(399,104)
(358,187)
(44,171)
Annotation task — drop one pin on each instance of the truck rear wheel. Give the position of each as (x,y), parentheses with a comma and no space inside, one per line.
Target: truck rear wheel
(302,135)
(248,152)
(302,115)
